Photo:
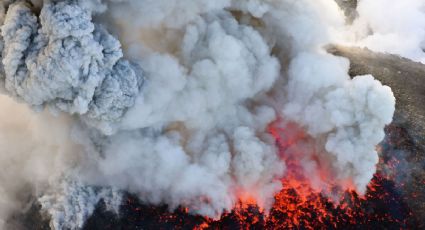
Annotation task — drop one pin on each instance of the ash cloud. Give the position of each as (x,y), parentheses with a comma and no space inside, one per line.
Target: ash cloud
(172,100)
(62,60)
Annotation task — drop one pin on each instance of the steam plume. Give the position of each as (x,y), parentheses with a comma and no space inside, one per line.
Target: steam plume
(171,101)
(399,29)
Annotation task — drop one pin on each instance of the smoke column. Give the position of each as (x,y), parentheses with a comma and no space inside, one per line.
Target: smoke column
(171,100)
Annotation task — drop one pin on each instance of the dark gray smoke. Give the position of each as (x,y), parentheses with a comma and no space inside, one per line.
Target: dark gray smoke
(60,59)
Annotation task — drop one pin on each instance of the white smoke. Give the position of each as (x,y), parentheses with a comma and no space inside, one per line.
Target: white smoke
(397,27)
(179,116)
(348,114)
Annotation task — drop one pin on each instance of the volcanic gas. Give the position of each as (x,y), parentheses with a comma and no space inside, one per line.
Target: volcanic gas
(198,113)
(297,205)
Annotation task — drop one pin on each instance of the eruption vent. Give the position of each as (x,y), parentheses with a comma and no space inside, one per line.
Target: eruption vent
(195,104)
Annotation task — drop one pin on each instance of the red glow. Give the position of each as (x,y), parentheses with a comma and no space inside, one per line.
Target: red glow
(299,205)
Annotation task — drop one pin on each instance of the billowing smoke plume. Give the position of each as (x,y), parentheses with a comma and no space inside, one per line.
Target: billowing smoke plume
(398,27)
(65,62)
(172,100)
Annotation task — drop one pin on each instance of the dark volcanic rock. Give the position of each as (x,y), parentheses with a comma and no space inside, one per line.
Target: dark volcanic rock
(32,218)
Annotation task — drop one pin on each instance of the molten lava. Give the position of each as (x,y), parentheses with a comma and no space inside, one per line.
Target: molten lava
(299,205)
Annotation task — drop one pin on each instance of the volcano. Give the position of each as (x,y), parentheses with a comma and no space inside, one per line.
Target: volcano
(389,203)
(394,199)
(199,114)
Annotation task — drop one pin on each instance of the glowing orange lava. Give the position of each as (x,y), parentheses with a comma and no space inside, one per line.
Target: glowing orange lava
(299,205)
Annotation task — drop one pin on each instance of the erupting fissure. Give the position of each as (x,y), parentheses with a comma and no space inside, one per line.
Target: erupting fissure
(228,108)
(297,206)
